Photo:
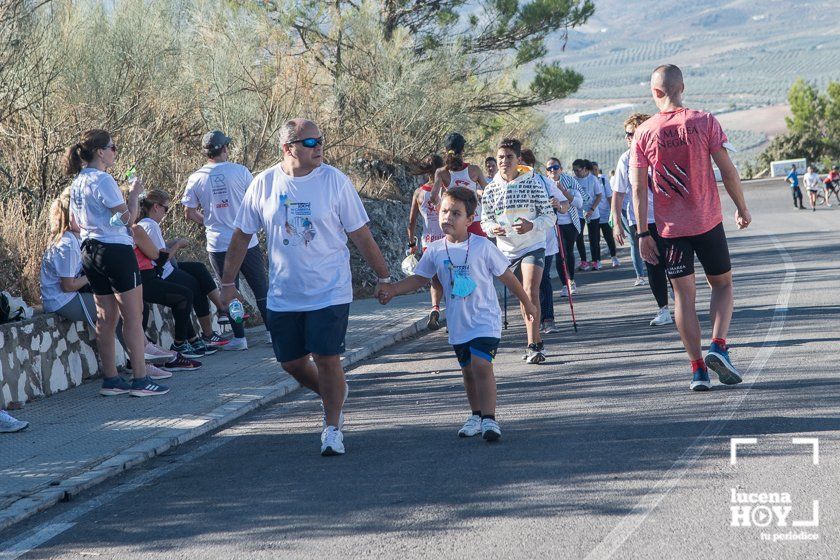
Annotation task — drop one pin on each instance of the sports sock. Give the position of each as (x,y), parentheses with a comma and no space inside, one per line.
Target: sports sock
(698,364)
(721,342)
(476,413)
(490,416)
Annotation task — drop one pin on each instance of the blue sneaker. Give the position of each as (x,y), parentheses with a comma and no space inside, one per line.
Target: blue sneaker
(114,386)
(718,361)
(145,387)
(700,381)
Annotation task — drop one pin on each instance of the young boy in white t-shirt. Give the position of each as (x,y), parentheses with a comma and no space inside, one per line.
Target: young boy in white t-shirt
(466,265)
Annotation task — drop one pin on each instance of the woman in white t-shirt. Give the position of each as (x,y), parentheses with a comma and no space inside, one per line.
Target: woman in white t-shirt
(102,214)
(812,182)
(188,279)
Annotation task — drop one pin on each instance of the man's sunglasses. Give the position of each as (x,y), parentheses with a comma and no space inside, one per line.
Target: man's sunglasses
(309,142)
(553,168)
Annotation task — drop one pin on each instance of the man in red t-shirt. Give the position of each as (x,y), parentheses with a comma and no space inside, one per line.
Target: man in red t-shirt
(676,147)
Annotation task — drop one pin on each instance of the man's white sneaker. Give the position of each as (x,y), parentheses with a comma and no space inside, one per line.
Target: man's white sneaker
(235,344)
(490,430)
(564,292)
(640,281)
(268,340)
(472,427)
(574,288)
(662,318)
(615,262)
(332,441)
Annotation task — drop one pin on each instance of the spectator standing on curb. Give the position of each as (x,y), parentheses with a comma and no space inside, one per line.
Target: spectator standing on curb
(421,204)
(793,179)
(212,198)
(656,272)
(569,222)
(515,210)
(98,207)
(308,209)
(675,148)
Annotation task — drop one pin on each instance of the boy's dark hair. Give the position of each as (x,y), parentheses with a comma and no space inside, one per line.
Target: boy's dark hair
(511,144)
(465,195)
(490,158)
(580,164)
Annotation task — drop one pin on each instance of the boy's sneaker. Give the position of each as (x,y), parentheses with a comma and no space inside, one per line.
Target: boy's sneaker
(147,388)
(340,414)
(640,281)
(181,363)
(596,265)
(615,262)
(332,441)
(215,340)
(700,381)
(490,430)
(9,424)
(112,386)
(156,355)
(434,320)
(534,354)
(200,346)
(236,344)
(662,318)
(186,350)
(472,427)
(718,361)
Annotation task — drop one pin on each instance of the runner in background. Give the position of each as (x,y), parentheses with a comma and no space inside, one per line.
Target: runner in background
(793,179)
(490,168)
(623,194)
(831,183)
(604,212)
(569,222)
(516,211)
(675,148)
(591,218)
(422,205)
(457,173)
(812,184)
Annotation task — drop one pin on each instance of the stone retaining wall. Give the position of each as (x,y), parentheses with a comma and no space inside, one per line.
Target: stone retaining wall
(47,354)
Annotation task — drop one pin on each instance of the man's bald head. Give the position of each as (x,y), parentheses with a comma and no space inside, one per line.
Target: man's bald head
(297,129)
(668,79)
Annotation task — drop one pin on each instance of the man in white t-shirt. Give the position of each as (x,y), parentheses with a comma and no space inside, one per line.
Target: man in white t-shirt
(212,198)
(307,209)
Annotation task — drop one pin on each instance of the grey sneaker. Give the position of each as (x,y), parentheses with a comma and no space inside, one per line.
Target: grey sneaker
(534,354)
(9,424)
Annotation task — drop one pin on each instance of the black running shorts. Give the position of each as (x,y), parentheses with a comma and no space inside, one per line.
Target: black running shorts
(710,247)
(483,347)
(111,268)
(295,334)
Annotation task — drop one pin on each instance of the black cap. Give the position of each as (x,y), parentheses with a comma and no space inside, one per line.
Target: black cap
(455,142)
(214,140)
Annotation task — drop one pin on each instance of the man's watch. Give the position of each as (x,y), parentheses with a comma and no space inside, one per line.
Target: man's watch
(386,280)
(645,233)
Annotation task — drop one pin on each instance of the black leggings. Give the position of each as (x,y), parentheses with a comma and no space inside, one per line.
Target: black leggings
(568,235)
(195,277)
(656,272)
(594,231)
(174,296)
(607,230)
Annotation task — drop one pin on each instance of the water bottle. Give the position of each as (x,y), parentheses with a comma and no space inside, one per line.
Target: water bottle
(131,175)
(236,311)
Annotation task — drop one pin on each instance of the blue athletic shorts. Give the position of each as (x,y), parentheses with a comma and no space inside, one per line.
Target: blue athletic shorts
(483,347)
(295,334)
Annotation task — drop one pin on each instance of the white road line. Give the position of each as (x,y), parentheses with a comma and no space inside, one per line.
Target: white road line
(35,539)
(633,520)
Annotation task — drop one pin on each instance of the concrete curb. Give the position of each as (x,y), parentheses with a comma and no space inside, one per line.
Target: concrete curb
(223,415)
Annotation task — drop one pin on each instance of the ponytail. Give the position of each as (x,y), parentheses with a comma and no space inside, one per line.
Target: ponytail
(83,152)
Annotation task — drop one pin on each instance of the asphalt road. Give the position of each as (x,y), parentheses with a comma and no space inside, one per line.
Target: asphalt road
(605,451)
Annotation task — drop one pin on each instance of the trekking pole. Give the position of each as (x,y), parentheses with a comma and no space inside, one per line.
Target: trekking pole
(506,321)
(566,271)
